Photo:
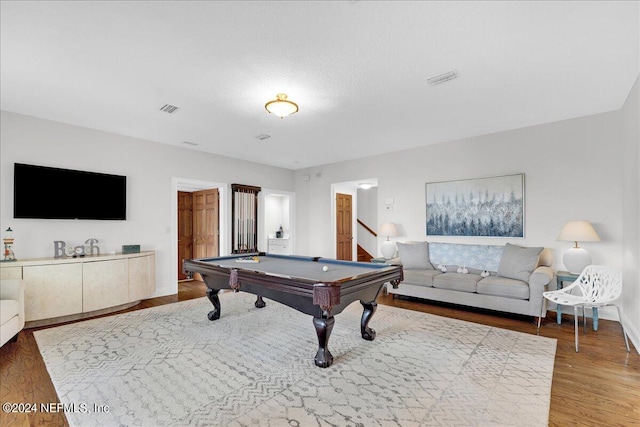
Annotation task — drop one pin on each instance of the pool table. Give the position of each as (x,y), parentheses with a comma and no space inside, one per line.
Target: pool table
(320,287)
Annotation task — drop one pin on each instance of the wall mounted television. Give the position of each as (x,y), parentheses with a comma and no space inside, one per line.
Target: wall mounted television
(42,192)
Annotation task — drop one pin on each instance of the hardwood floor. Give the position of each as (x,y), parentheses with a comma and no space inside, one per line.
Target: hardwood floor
(599,386)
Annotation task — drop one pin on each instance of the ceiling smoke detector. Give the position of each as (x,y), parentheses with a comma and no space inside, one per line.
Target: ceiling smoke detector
(168,108)
(263,137)
(442,78)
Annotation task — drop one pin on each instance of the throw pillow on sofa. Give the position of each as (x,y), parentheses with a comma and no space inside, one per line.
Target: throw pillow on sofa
(414,256)
(518,262)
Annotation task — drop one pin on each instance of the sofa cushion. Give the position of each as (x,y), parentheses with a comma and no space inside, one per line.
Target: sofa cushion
(457,281)
(420,277)
(414,255)
(503,287)
(518,262)
(8,309)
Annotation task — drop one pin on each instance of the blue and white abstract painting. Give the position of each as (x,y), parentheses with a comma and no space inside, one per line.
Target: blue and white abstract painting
(488,207)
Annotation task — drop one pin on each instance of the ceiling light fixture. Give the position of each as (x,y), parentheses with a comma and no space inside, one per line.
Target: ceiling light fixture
(365,185)
(281,107)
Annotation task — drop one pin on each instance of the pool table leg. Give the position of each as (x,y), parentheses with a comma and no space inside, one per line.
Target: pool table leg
(212,294)
(324,326)
(260,302)
(369,308)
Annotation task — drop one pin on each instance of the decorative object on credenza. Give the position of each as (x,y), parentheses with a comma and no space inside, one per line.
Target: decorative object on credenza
(491,207)
(130,249)
(91,246)
(8,246)
(576,258)
(59,249)
(388,248)
(78,251)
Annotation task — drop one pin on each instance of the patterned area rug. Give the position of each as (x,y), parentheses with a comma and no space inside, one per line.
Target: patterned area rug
(171,366)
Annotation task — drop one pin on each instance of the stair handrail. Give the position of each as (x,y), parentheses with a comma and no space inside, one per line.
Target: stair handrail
(366,227)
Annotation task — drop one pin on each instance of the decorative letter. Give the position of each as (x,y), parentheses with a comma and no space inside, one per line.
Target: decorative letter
(58,248)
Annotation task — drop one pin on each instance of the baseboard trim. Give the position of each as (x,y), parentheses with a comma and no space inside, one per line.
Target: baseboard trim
(79,316)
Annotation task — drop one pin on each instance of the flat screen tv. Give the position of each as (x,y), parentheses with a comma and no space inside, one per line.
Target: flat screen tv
(52,193)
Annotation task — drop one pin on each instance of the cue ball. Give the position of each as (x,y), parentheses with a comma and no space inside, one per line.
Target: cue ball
(325,268)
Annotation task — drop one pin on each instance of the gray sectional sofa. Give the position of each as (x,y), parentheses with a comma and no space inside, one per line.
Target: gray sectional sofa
(505,278)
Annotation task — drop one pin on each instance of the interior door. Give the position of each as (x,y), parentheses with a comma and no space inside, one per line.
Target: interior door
(206,216)
(344,233)
(185,230)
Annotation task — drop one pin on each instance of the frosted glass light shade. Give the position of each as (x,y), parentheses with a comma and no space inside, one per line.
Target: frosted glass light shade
(576,260)
(281,106)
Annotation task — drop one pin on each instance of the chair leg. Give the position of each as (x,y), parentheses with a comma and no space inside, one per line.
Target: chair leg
(624,334)
(584,320)
(542,310)
(575,324)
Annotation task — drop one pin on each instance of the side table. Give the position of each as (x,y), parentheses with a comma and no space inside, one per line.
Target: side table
(563,277)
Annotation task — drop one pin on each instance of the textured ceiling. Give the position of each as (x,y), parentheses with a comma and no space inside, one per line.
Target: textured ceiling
(357,69)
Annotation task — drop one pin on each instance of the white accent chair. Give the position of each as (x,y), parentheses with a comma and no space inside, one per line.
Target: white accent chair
(11,309)
(597,286)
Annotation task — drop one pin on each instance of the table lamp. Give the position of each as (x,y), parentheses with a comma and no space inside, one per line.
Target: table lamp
(576,258)
(388,247)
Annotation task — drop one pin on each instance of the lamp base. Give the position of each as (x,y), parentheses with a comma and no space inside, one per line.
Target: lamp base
(576,259)
(388,249)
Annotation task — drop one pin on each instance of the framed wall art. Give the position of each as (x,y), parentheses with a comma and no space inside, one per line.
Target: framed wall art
(480,207)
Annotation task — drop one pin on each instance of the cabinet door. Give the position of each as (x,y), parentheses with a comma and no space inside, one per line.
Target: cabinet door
(52,291)
(106,284)
(142,283)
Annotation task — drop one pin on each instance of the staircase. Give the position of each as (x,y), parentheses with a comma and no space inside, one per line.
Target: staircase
(363,255)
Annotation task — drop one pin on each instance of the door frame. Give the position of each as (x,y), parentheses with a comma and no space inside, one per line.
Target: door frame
(187,184)
(263,243)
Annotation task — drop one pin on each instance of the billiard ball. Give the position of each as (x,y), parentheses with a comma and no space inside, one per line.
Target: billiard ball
(325,268)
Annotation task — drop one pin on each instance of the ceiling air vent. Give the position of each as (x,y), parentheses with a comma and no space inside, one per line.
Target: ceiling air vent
(263,137)
(442,78)
(190,143)
(168,108)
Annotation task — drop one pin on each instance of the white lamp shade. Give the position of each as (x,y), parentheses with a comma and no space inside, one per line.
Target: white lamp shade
(578,231)
(576,259)
(388,229)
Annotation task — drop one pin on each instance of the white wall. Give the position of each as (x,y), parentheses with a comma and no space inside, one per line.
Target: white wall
(631,213)
(573,170)
(150,168)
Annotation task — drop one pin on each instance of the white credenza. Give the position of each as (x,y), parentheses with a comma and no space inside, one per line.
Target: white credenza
(279,246)
(63,289)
